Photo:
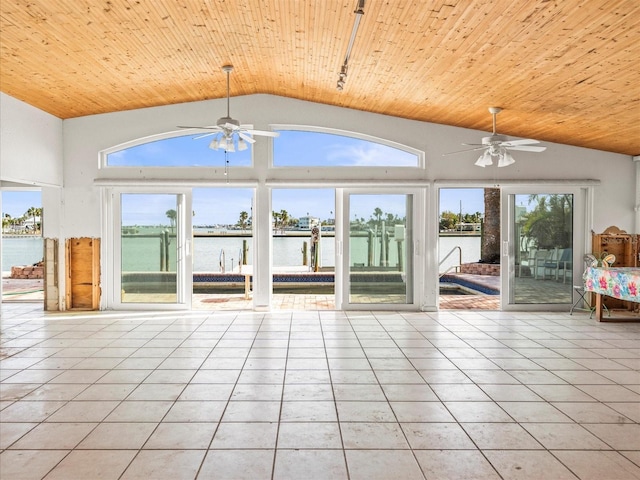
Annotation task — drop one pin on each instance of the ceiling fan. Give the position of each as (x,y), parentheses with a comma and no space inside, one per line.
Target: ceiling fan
(498,146)
(229,133)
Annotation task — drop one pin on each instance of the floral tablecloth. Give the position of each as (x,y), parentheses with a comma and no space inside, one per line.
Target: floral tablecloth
(618,282)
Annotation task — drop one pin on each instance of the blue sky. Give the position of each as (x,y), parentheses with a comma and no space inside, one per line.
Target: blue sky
(16,203)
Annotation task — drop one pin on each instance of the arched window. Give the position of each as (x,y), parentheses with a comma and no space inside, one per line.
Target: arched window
(297,147)
(173,151)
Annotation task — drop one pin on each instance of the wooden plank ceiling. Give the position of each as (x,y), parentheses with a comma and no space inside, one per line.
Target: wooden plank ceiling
(564,71)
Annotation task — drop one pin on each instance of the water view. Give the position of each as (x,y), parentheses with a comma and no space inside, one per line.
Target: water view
(287,251)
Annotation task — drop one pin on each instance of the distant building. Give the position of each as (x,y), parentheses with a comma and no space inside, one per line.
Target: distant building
(305,223)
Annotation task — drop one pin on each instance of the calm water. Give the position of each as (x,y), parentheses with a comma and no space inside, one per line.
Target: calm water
(144,253)
(20,251)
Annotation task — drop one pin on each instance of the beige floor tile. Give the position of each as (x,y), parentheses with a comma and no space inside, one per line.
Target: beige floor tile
(259,392)
(262,376)
(599,465)
(86,464)
(153,391)
(365,412)
(220,391)
(118,436)
(382,465)
(455,465)
(54,436)
(309,465)
(315,435)
(564,436)
(308,411)
(28,464)
(78,411)
(171,376)
(373,436)
(527,412)
(630,409)
(200,411)
(10,432)
(410,393)
(459,393)
(125,376)
(306,392)
(56,392)
(495,436)
(611,393)
(252,411)
(594,412)
(436,436)
(409,412)
(26,411)
(507,393)
(561,393)
(477,412)
(620,436)
(243,436)
(528,465)
(165,465)
(237,464)
(106,392)
(139,411)
(181,436)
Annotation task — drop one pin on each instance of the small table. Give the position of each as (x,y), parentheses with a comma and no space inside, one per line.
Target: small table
(617,282)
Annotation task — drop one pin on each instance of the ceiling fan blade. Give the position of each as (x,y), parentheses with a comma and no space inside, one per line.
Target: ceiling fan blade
(475,144)
(525,141)
(527,148)
(467,150)
(213,127)
(246,137)
(263,133)
(204,135)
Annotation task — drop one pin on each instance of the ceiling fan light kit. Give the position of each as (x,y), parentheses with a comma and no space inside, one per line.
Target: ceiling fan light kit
(229,134)
(498,146)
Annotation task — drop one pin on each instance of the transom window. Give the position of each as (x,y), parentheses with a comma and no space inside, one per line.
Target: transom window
(307,148)
(181,151)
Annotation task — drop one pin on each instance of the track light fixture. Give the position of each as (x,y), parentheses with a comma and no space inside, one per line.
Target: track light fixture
(342,76)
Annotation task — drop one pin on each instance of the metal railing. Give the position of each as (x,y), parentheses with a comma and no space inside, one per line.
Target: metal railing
(456,267)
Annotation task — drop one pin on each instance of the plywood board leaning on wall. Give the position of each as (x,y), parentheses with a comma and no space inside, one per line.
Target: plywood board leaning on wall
(83,273)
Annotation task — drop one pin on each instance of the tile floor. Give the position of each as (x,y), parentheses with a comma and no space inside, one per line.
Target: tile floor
(317,395)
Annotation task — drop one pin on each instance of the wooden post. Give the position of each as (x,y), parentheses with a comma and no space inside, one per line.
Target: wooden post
(305,260)
(245,252)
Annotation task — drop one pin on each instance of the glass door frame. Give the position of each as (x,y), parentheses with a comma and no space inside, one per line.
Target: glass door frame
(509,243)
(111,249)
(417,261)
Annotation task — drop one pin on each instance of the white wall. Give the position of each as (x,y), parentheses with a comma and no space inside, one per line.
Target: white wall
(30,144)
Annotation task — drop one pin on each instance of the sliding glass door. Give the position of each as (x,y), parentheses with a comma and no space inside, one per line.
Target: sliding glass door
(541,246)
(152,250)
(378,264)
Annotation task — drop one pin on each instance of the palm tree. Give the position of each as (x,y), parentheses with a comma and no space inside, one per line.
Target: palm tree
(490,245)
(284,218)
(32,213)
(242,221)
(275,216)
(172,215)
(6,221)
(378,214)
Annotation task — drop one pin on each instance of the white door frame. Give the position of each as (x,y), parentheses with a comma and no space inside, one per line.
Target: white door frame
(416,259)
(581,228)
(111,249)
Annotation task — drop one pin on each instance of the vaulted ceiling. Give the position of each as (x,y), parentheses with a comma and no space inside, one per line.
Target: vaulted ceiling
(565,71)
